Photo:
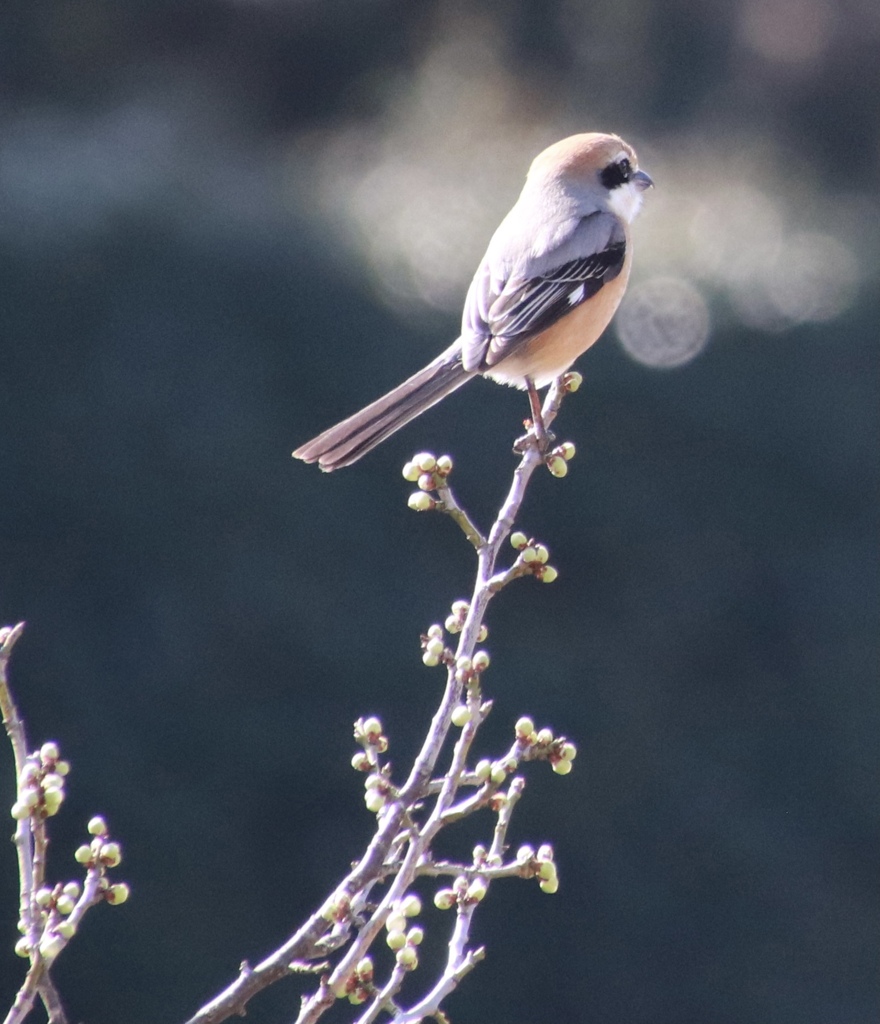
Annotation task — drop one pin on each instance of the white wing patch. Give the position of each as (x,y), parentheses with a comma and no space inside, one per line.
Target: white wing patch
(576,295)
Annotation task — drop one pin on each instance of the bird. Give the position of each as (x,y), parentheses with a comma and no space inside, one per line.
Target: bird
(550,282)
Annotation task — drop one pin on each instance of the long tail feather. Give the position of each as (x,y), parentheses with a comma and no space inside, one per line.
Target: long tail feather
(352,438)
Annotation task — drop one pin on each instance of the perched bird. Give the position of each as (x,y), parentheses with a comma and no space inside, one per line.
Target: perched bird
(552,277)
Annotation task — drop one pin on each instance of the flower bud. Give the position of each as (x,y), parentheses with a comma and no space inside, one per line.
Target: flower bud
(426,482)
(72,889)
(525,853)
(551,885)
(476,891)
(415,935)
(542,553)
(372,728)
(66,929)
(64,904)
(364,970)
(434,646)
(43,897)
(374,801)
(461,716)
(411,472)
(484,632)
(557,465)
(425,461)
(548,574)
(567,450)
(408,958)
(23,947)
(111,854)
(480,661)
(20,810)
(545,852)
(83,855)
(561,767)
(52,800)
(483,769)
(411,906)
(444,465)
(395,940)
(544,737)
(435,632)
(524,727)
(51,945)
(572,381)
(49,753)
(117,894)
(431,660)
(360,762)
(97,826)
(419,501)
(444,899)
(518,540)
(529,555)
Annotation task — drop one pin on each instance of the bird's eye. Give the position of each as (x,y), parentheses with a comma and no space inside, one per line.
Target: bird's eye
(625,168)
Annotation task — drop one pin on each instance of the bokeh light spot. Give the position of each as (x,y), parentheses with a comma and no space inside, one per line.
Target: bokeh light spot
(664,322)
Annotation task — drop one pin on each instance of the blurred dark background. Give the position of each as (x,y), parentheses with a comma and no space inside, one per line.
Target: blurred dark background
(224,225)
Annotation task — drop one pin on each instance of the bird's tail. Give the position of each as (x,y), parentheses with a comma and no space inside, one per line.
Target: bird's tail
(352,438)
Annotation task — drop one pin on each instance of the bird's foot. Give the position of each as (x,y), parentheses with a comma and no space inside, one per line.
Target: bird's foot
(537,436)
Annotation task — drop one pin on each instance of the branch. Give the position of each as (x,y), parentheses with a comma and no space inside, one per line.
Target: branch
(400,848)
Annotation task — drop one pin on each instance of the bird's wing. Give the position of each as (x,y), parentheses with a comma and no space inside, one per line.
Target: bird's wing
(504,311)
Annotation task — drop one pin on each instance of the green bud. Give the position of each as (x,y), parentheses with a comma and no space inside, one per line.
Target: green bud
(480,661)
(557,465)
(395,940)
(518,540)
(372,728)
(444,899)
(425,461)
(20,810)
(551,885)
(117,894)
(23,947)
(66,929)
(52,800)
(374,800)
(421,502)
(524,727)
(415,935)
(411,906)
(483,769)
(476,891)
(111,854)
(561,767)
(548,574)
(97,826)
(408,958)
(49,752)
(411,472)
(64,904)
(572,381)
(430,659)
(83,855)
(461,716)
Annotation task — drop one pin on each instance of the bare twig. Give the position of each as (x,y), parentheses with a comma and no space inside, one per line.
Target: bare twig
(400,848)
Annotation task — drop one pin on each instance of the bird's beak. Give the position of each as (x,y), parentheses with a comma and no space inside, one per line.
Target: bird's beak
(642,180)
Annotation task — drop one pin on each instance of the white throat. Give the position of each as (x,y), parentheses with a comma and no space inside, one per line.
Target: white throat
(626,201)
